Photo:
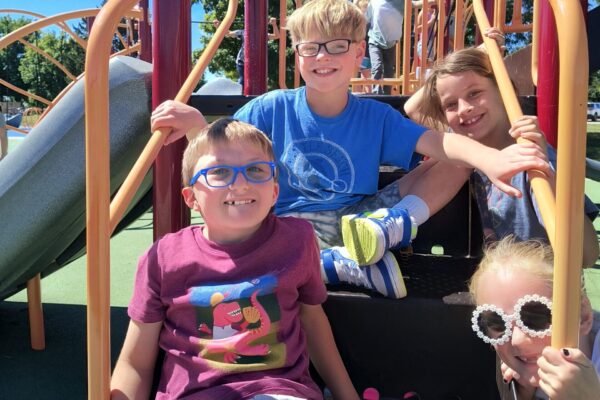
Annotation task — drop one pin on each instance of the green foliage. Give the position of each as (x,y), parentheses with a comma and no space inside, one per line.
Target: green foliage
(223,62)
(41,76)
(23,67)
(594,87)
(9,56)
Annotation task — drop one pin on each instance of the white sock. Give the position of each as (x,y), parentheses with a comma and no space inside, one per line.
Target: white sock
(416,207)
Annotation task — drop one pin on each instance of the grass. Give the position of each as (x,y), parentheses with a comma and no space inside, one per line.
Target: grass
(593,141)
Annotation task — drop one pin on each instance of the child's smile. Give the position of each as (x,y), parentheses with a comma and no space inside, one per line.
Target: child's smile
(232,212)
(473,107)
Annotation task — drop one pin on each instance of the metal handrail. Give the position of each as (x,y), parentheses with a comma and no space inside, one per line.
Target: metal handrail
(540,183)
(564,224)
(102,216)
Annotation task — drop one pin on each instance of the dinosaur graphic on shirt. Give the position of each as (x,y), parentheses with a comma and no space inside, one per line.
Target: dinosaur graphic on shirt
(230,333)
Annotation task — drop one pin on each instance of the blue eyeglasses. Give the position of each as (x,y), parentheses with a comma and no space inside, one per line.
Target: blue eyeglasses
(224,175)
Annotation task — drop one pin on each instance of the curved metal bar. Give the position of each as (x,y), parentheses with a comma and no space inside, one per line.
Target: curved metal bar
(572,121)
(97,196)
(48,57)
(142,165)
(56,19)
(540,183)
(24,92)
(61,24)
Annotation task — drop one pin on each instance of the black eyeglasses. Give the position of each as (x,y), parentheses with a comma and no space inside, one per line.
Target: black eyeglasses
(532,314)
(335,46)
(220,176)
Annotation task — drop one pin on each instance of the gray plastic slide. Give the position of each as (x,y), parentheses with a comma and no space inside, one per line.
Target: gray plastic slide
(42,182)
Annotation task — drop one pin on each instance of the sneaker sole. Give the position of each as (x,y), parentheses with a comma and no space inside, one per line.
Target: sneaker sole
(360,238)
(392,267)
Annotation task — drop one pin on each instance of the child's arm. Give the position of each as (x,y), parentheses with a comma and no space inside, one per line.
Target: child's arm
(527,127)
(275,34)
(132,377)
(324,354)
(499,165)
(180,118)
(568,374)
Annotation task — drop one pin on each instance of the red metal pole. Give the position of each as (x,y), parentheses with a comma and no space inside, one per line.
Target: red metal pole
(255,50)
(171,49)
(145,33)
(548,72)
(489,10)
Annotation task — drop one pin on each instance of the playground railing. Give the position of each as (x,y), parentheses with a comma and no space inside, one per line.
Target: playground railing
(563,219)
(19,35)
(103,216)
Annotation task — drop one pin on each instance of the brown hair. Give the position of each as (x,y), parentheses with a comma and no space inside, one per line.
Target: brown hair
(330,18)
(470,59)
(224,130)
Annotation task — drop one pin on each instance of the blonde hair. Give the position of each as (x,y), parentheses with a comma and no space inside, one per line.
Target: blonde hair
(531,256)
(361,4)
(470,59)
(333,19)
(224,130)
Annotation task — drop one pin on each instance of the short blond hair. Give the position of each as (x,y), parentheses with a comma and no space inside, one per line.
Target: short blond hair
(224,130)
(332,19)
(530,256)
(362,4)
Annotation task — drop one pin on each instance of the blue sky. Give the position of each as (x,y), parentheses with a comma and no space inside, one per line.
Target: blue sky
(52,7)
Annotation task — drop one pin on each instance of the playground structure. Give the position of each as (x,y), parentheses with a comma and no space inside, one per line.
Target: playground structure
(103,216)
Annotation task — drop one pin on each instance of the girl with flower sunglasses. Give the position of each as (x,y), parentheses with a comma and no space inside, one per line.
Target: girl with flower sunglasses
(513,290)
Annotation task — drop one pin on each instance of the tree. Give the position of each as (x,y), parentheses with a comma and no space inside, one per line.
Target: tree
(41,76)
(224,60)
(11,55)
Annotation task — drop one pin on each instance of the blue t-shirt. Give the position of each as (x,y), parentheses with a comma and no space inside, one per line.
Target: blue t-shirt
(502,215)
(329,163)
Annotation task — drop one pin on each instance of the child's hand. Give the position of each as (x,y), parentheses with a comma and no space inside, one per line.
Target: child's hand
(524,389)
(178,117)
(502,165)
(507,373)
(497,35)
(272,20)
(568,374)
(527,127)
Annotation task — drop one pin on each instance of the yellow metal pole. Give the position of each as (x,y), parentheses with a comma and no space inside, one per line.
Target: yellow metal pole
(572,119)
(540,183)
(98,197)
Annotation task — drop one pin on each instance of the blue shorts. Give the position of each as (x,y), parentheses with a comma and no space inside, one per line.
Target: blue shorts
(365,63)
(327,223)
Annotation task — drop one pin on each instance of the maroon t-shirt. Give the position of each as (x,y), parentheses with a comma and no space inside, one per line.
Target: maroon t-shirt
(231,326)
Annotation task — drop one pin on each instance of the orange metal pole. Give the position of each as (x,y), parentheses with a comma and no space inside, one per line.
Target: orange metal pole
(157,140)
(282,44)
(406,48)
(572,121)
(36,314)
(98,197)
(540,183)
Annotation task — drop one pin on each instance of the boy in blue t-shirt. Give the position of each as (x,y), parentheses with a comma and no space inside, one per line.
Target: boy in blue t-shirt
(329,145)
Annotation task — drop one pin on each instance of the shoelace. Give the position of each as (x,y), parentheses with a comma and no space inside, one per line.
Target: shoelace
(351,273)
(395,229)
